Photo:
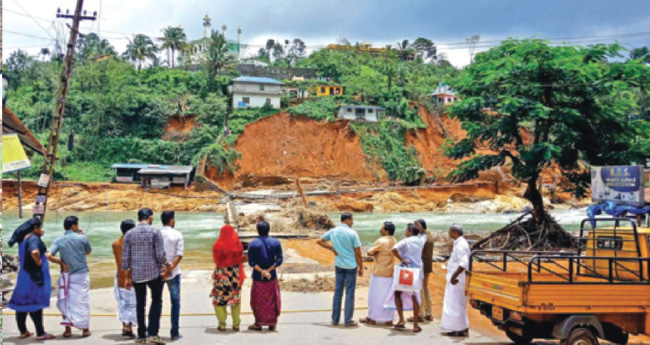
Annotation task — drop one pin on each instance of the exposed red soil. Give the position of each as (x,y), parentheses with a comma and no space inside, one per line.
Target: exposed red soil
(282,145)
(178,127)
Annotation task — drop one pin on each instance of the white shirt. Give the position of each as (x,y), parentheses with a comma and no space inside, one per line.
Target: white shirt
(174,246)
(459,258)
(410,248)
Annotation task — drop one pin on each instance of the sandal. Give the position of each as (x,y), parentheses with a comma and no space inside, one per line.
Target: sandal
(368,321)
(86,334)
(400,326)
(25,335)
(351,324)
(255,327)
(235,328)
(127,333)
(417,330)
(46,336)
(67,335)
(221,329)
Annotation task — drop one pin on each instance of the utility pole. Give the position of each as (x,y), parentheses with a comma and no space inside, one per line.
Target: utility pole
(47,172)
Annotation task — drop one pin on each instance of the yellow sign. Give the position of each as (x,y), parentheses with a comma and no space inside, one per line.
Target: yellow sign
(13,154)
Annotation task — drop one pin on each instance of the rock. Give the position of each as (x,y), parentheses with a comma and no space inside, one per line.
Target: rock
(353,205)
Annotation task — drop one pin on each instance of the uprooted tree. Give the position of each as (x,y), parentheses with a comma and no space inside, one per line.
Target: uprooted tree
(534,105)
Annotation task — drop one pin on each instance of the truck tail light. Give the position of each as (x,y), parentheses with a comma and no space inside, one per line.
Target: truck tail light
(515,315)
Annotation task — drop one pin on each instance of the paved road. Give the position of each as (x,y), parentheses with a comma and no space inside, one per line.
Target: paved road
(308,328)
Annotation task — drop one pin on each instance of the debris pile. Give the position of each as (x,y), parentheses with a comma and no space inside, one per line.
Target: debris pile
(525,234)
(9,264)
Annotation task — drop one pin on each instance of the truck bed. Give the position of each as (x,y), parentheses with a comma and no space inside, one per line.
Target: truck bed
(513,291)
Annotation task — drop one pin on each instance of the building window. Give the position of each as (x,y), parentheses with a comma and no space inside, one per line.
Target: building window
(268,101)
(349,110)
(448,100)
(369,110)
(261,87)
(322,89)
(246,100)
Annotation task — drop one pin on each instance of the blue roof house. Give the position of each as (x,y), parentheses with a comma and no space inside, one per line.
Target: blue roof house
(255,92)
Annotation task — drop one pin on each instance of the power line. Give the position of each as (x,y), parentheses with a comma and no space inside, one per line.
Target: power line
(26,15)
(27,35)
(34,19)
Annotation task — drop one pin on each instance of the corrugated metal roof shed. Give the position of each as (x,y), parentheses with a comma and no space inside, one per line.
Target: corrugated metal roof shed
(129,166)
(163,170)
(12,124)
(257,80)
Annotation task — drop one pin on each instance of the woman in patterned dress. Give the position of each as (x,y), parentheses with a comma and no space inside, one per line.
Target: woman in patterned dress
(228,277)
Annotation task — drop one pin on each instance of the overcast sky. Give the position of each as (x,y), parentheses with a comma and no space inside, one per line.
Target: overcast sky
(318,23)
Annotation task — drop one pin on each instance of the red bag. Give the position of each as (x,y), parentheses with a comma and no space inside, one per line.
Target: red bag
(405,277)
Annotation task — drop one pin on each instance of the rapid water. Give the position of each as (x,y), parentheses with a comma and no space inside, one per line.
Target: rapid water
(200,230)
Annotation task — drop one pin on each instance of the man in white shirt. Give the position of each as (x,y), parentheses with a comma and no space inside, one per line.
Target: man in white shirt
(454,311)
(174,247)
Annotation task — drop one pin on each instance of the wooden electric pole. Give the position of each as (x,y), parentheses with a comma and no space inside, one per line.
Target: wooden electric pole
(47,172)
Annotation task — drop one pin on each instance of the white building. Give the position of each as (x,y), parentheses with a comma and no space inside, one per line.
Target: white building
(255,92)
(198,46)
(360,113)
(444,94)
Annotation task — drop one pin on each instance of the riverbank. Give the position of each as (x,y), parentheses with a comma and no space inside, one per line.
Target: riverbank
(324,197)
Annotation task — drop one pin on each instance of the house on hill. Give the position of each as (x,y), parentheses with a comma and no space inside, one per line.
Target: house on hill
(153,175)
(360,113)
(444,94)
(255,92)
(329,90)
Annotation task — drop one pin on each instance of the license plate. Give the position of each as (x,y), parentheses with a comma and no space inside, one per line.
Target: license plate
(497,313)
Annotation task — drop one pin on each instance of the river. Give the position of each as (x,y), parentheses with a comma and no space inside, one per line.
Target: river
(201,229)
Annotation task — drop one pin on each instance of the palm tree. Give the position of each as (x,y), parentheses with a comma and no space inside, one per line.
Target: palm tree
(405,49)
(173,39)
(642,53)
(140,49)
(217,57)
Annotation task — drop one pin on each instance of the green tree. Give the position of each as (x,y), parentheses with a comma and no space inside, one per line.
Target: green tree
(140,49)
(569,102)
(217,58)
(173,39)
(426,48)
(91,45)
(641,53)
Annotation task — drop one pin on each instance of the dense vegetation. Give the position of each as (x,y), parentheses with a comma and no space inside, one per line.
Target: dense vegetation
(576,105)
(119,104)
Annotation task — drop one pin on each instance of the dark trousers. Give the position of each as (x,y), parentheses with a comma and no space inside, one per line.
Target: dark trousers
(37,318)
(346,280)
(155,310)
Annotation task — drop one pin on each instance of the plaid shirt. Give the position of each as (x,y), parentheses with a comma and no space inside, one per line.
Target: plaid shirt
(143,253)
(73,248)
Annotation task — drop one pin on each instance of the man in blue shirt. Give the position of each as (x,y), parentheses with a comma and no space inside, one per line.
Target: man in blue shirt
(265,256)
(345,244)
(74,282)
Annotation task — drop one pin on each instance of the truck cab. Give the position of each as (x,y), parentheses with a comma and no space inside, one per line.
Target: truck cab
(601,290)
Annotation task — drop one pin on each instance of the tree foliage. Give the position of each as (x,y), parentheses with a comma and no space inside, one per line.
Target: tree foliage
(534,105)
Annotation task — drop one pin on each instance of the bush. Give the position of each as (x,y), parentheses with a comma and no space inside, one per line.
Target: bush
(320,109)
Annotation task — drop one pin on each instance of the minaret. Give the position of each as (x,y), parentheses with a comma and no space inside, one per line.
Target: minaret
(207,26)
(239,42)
(224,27)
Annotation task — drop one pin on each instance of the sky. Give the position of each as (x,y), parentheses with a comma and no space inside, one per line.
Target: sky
(32,24)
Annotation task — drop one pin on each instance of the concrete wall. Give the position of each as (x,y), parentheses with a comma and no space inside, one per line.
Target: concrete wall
(257,97)
(351,114)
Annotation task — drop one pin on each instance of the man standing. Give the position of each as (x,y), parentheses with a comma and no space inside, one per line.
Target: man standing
(74,283)
(265,256)
(174,247)
(426,310)
(143,257)
(126,305)
(454,312)
(346,246)
(381,280)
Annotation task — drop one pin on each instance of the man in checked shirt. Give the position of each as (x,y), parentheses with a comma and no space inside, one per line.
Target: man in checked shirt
(144,255)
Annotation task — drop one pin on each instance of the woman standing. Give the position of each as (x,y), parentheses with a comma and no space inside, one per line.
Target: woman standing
(34,285)
(228,277)
(409,252)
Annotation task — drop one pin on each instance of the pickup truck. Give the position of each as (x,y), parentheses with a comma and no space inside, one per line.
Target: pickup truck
(601,290)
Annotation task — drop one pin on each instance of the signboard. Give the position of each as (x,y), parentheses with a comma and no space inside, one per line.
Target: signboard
(44,180)
(621,184)
(242,104)
(13,154)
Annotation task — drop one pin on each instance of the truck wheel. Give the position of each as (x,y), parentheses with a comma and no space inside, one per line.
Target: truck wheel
(580,336)
(518,339)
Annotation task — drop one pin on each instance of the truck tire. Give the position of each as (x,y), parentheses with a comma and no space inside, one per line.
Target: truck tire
(518,339)
(580,336)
